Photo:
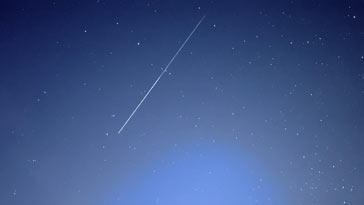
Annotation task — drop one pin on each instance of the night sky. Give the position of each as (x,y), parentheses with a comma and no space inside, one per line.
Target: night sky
(264,105)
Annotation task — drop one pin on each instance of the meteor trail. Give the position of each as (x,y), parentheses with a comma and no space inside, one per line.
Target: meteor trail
(161,75)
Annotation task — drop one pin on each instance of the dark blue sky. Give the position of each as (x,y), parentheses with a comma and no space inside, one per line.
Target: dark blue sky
(264,105)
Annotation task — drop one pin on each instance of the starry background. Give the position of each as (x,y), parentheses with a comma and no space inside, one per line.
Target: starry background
(264,105)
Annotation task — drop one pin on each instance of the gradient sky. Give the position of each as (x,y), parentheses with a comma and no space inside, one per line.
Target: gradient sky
(264,105)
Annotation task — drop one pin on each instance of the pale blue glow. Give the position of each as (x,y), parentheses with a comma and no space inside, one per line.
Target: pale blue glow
(212,175)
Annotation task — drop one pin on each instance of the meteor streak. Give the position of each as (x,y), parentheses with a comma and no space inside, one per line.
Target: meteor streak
(161,75)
